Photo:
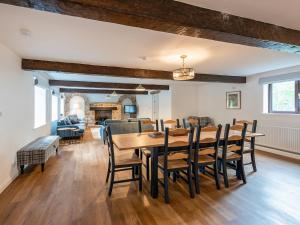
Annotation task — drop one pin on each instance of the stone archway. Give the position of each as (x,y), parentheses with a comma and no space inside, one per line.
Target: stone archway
(122,99)
(68,98)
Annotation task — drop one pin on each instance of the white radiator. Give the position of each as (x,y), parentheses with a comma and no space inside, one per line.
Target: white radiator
(280,138)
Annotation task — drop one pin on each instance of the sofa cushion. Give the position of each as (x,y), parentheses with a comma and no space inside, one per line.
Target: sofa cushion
(68,121)
(61,122)
(74,119)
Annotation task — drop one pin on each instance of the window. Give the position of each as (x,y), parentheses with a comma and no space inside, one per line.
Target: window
(62,107)
(39,106)
(283,97)
(54,108)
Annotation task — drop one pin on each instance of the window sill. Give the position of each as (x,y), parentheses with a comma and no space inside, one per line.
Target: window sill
(281,114)
(39,127)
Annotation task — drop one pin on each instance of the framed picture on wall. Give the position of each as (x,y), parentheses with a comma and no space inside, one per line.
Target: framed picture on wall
(233,100)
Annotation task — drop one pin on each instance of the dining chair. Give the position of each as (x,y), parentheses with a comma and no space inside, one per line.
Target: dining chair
(117,165)
(145,151)
(184,124)
(171,123)
(230,155)
(168,164)
(194,121)
(250,147)
(206,153)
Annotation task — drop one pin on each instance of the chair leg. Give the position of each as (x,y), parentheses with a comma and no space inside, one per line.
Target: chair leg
(174,176)
(216,173)
(242,170)
(225,174)
(108,172)
(112,179)
(141,154)
(238,170)
(133,171)
(253,161)
(219,163)
(190,180)
(196,175)
(140,178)
(166,187)
(148,168)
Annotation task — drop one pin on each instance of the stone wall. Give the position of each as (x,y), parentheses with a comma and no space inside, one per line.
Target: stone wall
(90,114)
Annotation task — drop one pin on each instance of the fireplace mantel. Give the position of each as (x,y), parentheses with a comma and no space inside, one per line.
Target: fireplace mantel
(115,108)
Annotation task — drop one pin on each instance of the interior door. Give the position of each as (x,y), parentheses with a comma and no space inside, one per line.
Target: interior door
(155,107)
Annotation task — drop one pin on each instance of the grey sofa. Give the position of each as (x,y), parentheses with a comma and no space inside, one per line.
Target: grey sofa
(122,127)
(204,121)
(71,121)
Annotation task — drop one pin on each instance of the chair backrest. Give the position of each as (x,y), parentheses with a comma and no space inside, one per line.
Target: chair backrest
(174,123)
(110,145)
(184,123)
(184,145)
(253,124)
(206,142)
(194,121)
(235,136)
(142,123)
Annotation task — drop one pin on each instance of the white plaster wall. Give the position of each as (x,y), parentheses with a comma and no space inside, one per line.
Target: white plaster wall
(144,104)
(184,100)
(16,113)
(212,102)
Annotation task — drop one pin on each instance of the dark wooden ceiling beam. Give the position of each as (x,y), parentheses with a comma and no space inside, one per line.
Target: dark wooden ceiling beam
(67,83)
(101,91)
(30,64)
(177,18)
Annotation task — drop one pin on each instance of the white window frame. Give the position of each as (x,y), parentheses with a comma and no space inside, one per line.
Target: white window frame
(40,106)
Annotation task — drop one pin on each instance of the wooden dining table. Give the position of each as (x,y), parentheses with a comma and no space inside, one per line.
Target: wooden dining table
(154,144)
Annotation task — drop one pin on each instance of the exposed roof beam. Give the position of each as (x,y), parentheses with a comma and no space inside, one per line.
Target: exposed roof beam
(67,83)
(29,64)
(102,91)
(177,18)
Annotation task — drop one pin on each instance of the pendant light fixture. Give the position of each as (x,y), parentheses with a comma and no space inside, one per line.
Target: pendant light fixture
(114,94)
(183,73)
(140,88)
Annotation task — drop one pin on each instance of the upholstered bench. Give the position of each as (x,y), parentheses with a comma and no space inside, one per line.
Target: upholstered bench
(37,152)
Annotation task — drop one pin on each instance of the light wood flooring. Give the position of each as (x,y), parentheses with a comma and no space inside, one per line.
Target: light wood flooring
(72,190)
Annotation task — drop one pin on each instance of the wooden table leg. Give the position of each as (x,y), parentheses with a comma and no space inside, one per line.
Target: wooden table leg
(154,173)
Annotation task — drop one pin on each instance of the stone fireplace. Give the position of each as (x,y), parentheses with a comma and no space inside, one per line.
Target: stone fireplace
(99,111)
(102,115)
(103,111)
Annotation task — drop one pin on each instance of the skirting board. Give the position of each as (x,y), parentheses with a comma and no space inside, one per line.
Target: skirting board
(7,182)
(278,152)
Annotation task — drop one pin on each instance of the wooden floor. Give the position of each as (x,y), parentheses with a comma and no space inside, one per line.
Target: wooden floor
(72,190)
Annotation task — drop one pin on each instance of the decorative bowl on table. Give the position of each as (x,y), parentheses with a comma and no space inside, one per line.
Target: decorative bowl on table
(156,134)
(178,132)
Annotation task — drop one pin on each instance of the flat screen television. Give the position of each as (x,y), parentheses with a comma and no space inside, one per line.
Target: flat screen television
(129,108)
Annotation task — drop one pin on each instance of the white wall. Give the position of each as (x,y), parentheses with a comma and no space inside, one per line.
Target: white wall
(184,100)
(279,128)
(212,102)
(144,104)
(16,113)
(101,98)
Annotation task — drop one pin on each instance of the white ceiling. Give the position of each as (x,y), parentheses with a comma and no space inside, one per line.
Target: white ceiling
(71,39)
(279,12)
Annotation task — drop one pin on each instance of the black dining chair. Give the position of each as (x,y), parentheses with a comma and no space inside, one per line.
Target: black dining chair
(230,155)
(249,147)
(145,151)
(167,164)
(117,165)
(206,153)
(172,123)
